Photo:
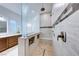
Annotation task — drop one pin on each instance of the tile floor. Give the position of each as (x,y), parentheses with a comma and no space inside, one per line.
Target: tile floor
(43,48)
(40,48)
(10,52)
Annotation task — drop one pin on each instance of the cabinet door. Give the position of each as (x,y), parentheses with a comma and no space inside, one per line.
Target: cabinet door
(3,44)
(12,41)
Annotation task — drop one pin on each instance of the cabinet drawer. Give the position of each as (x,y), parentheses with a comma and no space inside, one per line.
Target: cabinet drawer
(12,39)
(3,44)
(12,44)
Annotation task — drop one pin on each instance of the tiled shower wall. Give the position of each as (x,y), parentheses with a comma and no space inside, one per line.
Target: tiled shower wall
(45,26)
(71,26)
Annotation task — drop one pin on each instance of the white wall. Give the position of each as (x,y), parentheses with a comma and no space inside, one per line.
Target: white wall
(45,21)
(71,26)
(11,17)
(36,24)
(46,33)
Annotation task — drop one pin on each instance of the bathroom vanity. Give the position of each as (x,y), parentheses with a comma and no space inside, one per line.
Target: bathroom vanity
(8,41)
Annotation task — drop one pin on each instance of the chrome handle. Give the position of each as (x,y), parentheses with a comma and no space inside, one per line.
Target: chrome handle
(62,36)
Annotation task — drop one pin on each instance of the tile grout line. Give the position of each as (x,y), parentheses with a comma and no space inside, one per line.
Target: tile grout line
(44,52)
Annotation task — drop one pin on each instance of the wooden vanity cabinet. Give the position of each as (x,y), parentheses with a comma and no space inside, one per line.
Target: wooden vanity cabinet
(8,42)
(12,41)
(3,44)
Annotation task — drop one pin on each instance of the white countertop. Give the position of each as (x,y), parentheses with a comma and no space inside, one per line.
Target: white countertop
(9,35)
(29,35)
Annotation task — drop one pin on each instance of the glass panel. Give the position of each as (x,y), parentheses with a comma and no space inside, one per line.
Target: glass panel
(21,18)
(30,19)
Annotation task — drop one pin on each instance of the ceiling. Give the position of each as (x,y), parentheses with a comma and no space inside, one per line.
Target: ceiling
(37,6)
(16,7)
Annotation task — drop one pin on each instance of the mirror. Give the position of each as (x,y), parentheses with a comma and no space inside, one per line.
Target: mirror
(3,25)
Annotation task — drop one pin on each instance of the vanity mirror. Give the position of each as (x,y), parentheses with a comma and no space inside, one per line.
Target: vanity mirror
(3,25)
